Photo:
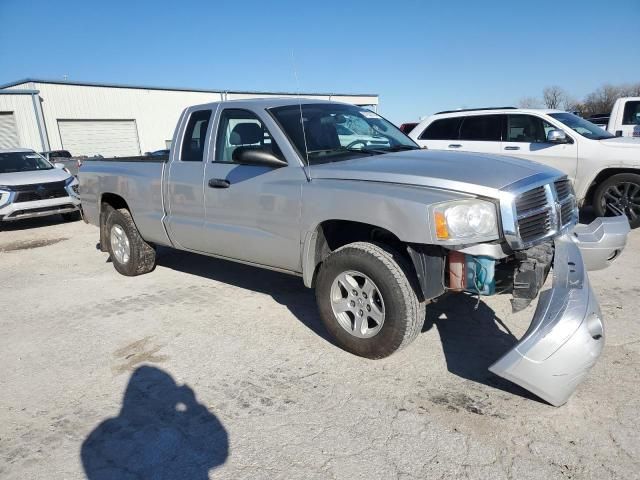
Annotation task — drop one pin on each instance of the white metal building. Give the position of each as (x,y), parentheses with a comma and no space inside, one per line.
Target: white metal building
(109,119)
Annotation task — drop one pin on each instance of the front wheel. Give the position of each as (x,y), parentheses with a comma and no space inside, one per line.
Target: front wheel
(130,254)
(367,300)
(619,195)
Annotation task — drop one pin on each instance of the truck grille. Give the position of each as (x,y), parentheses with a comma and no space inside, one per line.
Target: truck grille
(544,210)
(41,191)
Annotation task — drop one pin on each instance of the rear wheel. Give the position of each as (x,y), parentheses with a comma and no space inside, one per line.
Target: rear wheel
(367,300)
(619,195)
(130,254)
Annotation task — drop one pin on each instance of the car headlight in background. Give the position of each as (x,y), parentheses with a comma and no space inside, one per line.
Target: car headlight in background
(4,198)
(72,185)
(463,220)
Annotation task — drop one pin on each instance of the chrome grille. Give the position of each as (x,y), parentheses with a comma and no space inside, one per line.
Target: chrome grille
(543,211)
(563,189)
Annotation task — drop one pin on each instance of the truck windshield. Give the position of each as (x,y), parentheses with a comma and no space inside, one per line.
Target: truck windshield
(11,162)
(332,132)
(581,126)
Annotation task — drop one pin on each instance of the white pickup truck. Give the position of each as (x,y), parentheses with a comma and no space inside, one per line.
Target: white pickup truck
(624,120)
(604,169)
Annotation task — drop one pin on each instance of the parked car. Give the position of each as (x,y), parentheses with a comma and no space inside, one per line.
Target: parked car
(604,170)
(377,232)
(30,186)
(601,120)
(63,157)
(158,153)
(624,120)
(407,127)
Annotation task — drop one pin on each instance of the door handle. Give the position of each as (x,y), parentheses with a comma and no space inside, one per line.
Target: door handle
(455,145)
(511,148)
(219,183)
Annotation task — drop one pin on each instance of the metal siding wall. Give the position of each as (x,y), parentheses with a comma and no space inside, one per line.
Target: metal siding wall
(26,122)
(155,111)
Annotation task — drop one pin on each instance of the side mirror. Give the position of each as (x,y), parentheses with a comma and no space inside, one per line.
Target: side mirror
(557,136)
(258,158)
(59,166)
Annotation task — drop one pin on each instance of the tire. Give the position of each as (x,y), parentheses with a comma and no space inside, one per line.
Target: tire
(130,254)
(619,194)
(403,312)
(71,216)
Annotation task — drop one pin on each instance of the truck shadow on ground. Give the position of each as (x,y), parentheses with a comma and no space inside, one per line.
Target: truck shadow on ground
(287,290)
(160,432)
(471,339)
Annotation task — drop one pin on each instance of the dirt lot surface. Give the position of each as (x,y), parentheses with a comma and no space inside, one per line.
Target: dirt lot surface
(205,368)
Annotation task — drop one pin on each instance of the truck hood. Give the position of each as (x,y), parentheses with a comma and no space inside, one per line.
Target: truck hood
(35,176)
(480,174)
(621,142)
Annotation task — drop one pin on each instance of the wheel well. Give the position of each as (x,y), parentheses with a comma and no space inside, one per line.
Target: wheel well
(601,177)
(333,234)
(116,201)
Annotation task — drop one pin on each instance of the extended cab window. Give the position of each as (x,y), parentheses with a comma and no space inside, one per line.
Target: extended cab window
(242,130)
(631,113)
(442,129)
(527,128)
(487,128)
(193,143)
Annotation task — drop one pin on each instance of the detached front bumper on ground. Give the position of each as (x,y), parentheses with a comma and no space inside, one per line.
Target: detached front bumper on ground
(566,335)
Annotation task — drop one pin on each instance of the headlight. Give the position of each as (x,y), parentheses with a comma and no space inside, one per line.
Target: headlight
(4,197)
(72,184)
(465,220)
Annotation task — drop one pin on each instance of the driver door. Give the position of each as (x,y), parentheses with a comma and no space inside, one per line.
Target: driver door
(252,213)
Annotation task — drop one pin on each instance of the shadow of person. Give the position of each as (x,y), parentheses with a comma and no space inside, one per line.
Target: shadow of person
(472,340)
(161,432)
(287,290)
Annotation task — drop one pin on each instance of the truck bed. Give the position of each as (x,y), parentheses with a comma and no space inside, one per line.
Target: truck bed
(136,179)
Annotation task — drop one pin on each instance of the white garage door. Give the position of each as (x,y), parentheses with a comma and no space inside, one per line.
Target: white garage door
(109,138)
(8,131)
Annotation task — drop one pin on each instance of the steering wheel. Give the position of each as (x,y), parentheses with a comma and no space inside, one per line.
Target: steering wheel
(356,142)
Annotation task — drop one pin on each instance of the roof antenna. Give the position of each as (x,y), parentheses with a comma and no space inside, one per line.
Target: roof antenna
(304,134)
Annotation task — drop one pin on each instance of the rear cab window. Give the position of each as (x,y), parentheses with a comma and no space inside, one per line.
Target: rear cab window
(631,114)
(195,136)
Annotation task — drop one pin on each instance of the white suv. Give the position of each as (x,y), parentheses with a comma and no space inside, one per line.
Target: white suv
(605,169)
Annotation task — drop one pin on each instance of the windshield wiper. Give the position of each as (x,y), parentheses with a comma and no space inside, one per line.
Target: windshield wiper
(398,148)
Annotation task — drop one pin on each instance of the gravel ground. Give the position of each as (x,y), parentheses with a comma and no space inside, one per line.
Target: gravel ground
(208,369)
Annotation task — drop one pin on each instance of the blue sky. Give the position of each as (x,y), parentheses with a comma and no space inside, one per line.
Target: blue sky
(420,56)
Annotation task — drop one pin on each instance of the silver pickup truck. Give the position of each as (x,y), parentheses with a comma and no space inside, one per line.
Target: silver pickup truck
(379,230)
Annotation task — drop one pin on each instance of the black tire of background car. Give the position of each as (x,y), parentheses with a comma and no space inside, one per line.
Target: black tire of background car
(71,216)
(143,256)
(404,312)
(599,200)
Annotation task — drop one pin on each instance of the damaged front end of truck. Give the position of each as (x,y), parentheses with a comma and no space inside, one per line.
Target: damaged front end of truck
(541,236)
